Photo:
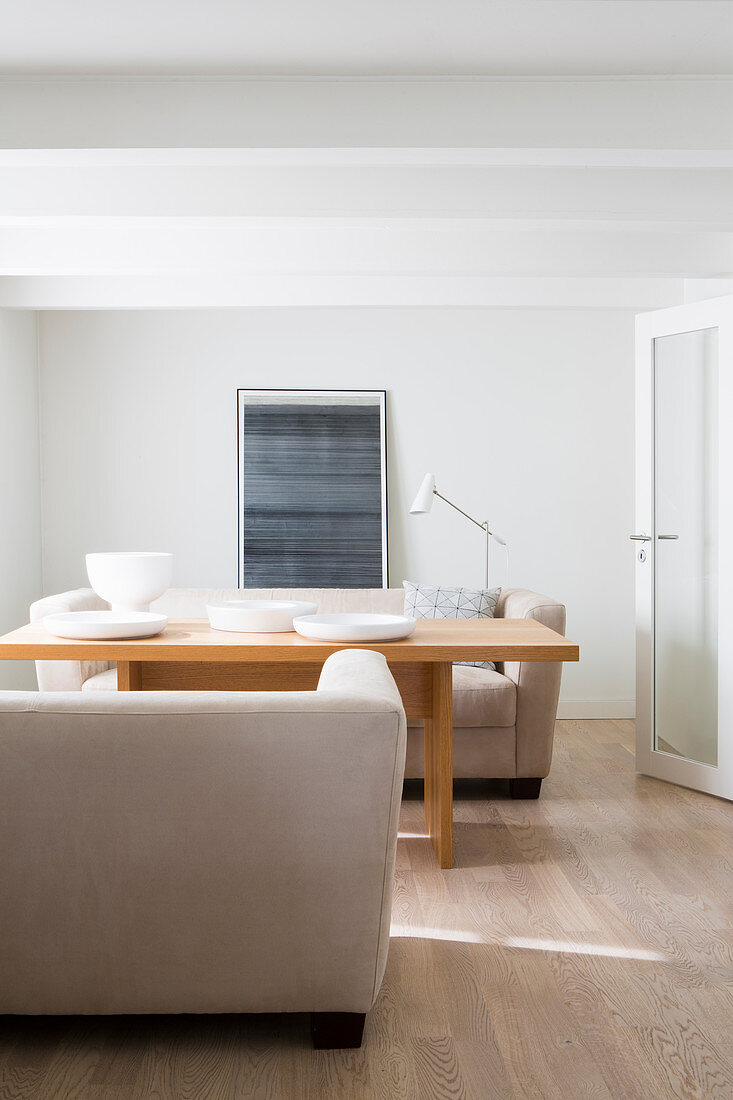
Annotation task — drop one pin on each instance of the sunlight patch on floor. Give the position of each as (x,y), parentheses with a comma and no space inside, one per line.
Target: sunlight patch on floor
(562,947)
(566,947)
(419,932)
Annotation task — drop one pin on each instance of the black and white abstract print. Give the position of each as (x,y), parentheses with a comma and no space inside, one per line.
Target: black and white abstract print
(312,489)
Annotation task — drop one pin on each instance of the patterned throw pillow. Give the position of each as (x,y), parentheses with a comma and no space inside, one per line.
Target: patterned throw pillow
(424,601)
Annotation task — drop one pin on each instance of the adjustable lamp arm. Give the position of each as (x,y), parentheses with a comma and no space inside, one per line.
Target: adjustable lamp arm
(483,526)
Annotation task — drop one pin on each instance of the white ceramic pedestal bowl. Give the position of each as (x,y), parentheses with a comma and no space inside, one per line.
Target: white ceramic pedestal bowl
(257,616)
(130,581)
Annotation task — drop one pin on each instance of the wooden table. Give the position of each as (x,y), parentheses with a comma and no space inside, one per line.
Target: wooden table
(189,655)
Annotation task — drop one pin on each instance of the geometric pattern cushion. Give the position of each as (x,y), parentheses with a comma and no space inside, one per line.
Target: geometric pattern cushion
(423,601)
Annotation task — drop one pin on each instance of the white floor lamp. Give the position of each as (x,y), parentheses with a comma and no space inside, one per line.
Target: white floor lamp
(423,502)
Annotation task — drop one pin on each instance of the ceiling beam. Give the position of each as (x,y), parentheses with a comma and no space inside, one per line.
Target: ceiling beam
(353,246)
(237,291)
(567,113)
(375,157)
(518,194)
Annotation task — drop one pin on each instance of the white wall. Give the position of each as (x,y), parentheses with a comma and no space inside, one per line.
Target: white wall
(525,418)
(20,493)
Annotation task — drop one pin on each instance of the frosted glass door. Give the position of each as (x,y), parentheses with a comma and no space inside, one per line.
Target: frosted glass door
(686,545)
(682,531)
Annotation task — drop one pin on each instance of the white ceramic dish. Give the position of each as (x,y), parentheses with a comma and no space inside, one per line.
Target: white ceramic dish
(130,582)
(257,616)
(354,628)
(101,625)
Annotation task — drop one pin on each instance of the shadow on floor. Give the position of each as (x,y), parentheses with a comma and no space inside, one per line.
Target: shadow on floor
(465,790)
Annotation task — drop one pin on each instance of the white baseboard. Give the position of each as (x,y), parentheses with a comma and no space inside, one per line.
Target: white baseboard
(597,708)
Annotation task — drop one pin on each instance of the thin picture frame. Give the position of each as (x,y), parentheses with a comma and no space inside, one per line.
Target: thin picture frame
(307,397)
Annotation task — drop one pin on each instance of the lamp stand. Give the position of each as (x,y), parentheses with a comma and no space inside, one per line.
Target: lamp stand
(484,527)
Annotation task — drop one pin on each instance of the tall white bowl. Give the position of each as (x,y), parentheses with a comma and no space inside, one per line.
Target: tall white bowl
(130,581)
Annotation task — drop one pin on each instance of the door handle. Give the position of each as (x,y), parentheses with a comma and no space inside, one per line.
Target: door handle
(668,538)
(641,538)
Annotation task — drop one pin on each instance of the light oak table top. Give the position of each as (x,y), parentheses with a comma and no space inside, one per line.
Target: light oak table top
(434,640)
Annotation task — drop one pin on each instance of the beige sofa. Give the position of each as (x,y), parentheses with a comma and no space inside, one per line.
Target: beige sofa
(202,851)
(503,721)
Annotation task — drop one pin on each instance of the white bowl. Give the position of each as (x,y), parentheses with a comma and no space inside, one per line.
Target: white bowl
(100,625)
(355,628)
(130,582)
(257,616)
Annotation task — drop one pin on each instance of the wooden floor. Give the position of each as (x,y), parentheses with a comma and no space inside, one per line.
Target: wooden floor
(582,947)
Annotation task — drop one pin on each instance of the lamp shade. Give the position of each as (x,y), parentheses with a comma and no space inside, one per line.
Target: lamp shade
(423,502)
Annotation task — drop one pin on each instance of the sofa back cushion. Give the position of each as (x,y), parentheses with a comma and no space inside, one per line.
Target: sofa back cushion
(190,603)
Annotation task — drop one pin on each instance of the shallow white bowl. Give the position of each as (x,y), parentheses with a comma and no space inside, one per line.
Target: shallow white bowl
(101,625)
(130,581)
(354,628)
(257,616)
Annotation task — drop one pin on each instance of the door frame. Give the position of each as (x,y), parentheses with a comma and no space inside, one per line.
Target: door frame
(712,313)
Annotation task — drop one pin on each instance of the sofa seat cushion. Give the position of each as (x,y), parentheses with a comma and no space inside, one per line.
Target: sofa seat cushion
(479,752)
(481,697)
(103,681)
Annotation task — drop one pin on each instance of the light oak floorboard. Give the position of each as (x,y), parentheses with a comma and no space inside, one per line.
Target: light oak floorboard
(582,946)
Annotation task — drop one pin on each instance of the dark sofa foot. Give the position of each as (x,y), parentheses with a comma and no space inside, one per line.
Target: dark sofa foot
(525,788)
(331,1030)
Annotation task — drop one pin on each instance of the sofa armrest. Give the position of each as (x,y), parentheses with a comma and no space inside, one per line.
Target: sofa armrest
(67,675)
(356,672)
(538,683)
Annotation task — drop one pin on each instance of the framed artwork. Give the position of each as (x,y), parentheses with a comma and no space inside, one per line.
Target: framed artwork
(312,488)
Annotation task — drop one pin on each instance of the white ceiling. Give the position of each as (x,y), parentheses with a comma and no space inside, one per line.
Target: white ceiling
(370,37)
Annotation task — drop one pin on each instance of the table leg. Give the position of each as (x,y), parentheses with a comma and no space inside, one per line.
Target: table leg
(439,765)
(129,676)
